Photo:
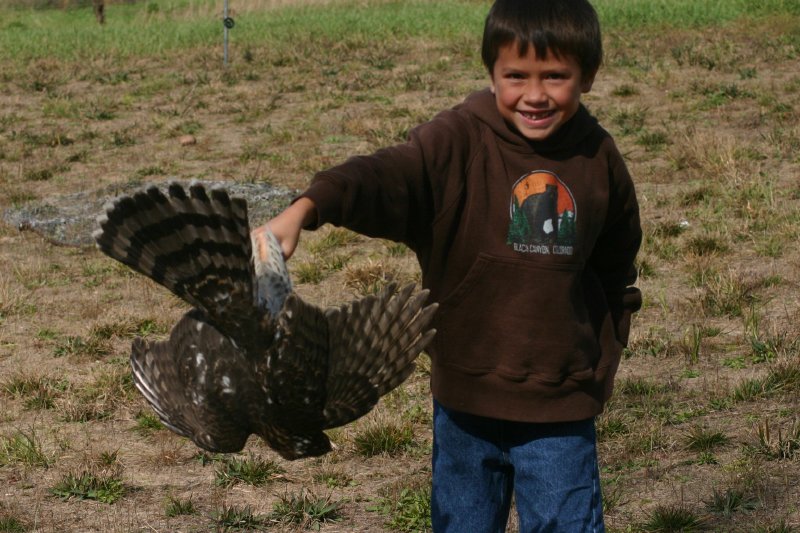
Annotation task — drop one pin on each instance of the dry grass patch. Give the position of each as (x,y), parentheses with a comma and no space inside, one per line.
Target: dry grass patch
(703,418)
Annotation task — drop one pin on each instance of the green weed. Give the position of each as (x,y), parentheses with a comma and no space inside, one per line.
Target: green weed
(703,440)
(334,239)
(11,523)
(106,459)
(105,488)
(252,471)
(177,507)
(640,387)
(610,425)
(653,140)
(333,478)
(98,399)
(306,509)
(693,343)
(148,423)
(24,449)
(409,510)
(727,295)
(707,245)
(396,249)
(752,389)
(128,329)
(784,376)
(629,121)
(384,438)
(38,392)
(76,346)
(674,519)
(624,90)
(783,445)
(655,343)
(731,501)
(238,519)
(309,272)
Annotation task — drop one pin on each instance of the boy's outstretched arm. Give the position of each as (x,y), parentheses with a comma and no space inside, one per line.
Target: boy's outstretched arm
(286,226)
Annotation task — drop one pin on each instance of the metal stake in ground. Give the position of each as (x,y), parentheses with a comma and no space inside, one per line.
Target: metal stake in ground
(227,23)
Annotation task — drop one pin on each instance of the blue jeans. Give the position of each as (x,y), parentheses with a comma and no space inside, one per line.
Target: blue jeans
(478,463)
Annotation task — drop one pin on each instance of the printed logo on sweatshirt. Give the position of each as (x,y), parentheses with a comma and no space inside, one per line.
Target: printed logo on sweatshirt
(542,215)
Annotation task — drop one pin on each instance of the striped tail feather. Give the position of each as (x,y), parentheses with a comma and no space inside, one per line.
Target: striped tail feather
(196,245)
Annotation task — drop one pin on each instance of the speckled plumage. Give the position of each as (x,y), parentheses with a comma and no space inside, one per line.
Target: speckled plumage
(251,356)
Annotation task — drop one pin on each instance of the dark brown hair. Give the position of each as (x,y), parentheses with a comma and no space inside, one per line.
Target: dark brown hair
(562,27)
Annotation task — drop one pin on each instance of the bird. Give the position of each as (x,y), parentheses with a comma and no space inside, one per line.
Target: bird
(250,356)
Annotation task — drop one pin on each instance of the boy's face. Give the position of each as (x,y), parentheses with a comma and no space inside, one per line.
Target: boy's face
(537,95)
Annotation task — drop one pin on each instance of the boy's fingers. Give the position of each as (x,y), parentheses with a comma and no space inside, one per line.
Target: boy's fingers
(287,243)
(261,246)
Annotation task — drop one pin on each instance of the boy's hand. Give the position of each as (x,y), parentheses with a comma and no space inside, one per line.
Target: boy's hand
(286,227)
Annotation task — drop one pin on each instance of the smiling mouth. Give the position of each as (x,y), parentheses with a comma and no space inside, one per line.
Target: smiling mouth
(537,116)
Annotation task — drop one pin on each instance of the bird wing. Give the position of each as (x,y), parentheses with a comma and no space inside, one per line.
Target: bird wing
(197,245)
(373,344)
(195,381)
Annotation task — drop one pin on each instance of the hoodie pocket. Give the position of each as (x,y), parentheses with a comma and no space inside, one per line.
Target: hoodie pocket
(520,320)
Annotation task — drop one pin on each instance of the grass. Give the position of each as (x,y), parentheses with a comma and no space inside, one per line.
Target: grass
(128,329)
(731,501)
(178,507)
(252,471)
(674,519)
(702,98)
(370,277)
(80,347)
(104,488)
(132,31)
(233,518)
(11,523)
(24,448)
(333,478)
(783,444)
(148,423)
(306,509)
(407,510)
(384,438)
(98,399)
(37,392)
(703,440)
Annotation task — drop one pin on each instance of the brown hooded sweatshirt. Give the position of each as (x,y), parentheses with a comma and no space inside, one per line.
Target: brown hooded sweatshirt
(527,246)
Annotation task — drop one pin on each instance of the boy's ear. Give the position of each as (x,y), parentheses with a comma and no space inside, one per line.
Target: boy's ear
(587,82)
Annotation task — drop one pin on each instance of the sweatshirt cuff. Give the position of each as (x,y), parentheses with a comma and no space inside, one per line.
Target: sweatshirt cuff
(323,195)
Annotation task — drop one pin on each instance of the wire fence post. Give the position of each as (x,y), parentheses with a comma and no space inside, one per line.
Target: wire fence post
(225,34)
(227,24)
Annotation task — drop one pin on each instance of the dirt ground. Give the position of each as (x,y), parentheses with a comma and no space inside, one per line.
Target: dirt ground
(708,121)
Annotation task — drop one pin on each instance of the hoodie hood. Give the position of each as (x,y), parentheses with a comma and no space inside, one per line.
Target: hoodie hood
(482,105)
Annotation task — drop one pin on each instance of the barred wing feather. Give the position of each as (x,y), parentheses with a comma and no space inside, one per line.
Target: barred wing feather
(194,381)
(373,345)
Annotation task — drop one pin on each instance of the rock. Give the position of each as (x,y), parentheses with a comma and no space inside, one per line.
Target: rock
(69,219)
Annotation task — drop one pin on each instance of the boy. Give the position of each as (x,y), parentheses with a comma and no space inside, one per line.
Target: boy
(525,223)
